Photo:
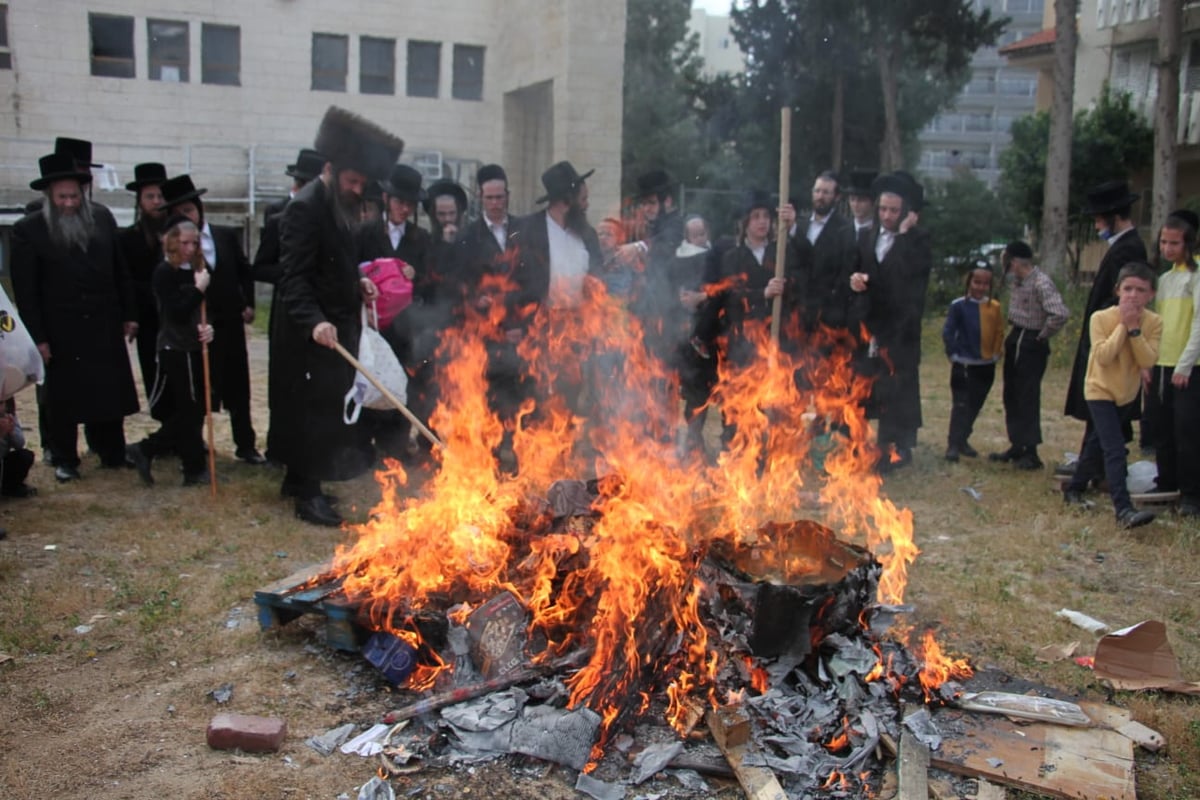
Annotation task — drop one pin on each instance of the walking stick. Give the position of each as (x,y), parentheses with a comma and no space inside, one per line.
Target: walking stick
(212,453)
(403,409)
(785,160)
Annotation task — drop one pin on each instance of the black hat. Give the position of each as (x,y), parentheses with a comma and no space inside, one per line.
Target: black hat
(1019,249)
(490,172)
(354,142)
(892,184)
(180,189)
(78,149)
(1109,197)
(404,183)
(308,166)
(560,180)
(916,194)
(860,182)
(1188,216)
(59,167)
(176,219)
(757,198)
(149,174)
(655,182)
(444,187)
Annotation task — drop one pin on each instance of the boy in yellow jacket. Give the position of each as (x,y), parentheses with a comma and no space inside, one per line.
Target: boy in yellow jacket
(1125,340)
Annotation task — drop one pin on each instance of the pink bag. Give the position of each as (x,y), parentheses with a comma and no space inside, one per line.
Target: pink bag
(395,290)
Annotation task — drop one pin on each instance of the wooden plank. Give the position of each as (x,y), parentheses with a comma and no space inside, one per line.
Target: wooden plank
(1075,763)
(913,768)
(989,791)
(758,783)
(300,577)
(1121,721)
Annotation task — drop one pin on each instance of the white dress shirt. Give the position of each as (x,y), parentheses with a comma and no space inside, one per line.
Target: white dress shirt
(499,232)
(208,247)
(568,265)
(815,226)
(396,233)
(883,244)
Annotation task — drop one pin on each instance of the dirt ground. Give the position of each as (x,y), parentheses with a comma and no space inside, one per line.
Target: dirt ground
(122,608)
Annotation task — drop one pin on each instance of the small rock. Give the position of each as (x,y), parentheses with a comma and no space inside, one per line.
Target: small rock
(222,694)
(245,732)
(82,629)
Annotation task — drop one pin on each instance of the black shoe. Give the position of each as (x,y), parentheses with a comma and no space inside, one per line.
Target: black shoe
(317,511)
(1074,498)
(1005,456)
(63,474)
(141,462)
(287,490)
(200,478)
(887,465)
(968,451)
(952,454)
(1028,461)
(124,462)
(1188,509)
(250,456)
(1133,518)
(21,490)
(1064,470)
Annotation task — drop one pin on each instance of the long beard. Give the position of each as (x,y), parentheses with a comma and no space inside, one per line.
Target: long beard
(152,227)
(576,219)
(73,230)
(346,209)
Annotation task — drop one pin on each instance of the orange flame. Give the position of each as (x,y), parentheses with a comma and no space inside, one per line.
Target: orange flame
(939,667)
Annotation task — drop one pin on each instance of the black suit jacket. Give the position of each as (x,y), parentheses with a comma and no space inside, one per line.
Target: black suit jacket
(477,255)
(824,268)
(232,286)
(532,275)
(416,249)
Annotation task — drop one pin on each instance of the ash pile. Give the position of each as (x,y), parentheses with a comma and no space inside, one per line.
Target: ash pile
(803,684)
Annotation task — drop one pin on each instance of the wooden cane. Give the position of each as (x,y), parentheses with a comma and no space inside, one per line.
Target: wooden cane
(403,409)
(208,418)
(785,160)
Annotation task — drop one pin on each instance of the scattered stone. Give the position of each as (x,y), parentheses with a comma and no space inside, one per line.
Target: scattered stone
(222,694)
(246,732)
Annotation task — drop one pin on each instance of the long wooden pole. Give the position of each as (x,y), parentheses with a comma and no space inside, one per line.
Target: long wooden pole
(208,415)
(403,409)
(785,161)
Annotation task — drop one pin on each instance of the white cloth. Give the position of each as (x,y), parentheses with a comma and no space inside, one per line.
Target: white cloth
(208,247)
(759,252)
(815,226)
(883,244)
(568,265)
(499,232)
(1113,239)
(396,233)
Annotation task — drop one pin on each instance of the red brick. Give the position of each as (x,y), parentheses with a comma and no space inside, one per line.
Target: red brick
(247,733)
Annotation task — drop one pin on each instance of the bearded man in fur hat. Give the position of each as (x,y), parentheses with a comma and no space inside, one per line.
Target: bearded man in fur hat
(321,294)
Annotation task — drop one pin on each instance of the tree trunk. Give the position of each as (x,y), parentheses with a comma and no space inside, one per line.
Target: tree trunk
(1166,114)
(839,119)
(1056,196)
(890,157)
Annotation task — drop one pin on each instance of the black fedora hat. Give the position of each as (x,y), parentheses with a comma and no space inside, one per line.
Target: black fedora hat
(1188,216)
(78,149)
(404,183)
(655,182)
(149,174)
(757,198)
(59,167)
(860,182)
(180,189)
(490,172)
(1109,197)
(560,180)
(892,184)
(444,187)
(308,166)
(916,194)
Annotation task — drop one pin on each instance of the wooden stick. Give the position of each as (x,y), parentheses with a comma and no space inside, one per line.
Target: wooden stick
(403,409)
(759,783)
(785,162)
(208,417)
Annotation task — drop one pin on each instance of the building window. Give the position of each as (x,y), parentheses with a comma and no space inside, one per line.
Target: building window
(468,72)
(5,53)
(1191,78)
(424,68)
(978,122)
(112,45)
(330,56)
(167,50)
(376,65)
(221,54)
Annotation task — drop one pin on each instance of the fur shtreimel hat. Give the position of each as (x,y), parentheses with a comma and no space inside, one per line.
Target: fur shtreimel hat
(354,142)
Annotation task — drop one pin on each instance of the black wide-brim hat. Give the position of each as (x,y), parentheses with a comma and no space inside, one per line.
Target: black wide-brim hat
(916,194)
(78,149)
(308,166)
(403,183)
(860,182)
(180,189)
(892,184)
(757,198)
(655,182)
(1188,216)
(444,187)
(353,142)
(59,167)
(560,180)
(1109,197)
(149,174)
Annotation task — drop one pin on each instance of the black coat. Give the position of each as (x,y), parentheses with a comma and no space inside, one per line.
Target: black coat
(532,275)
(824,272)
(78,303)
(266,268)
(415,248)
(232,287)
(476,256)
(891,309)
(1103,294)
(141,255)
(740,299)
(308,382)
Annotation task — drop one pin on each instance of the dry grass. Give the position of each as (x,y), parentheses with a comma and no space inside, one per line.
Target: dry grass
(165,578)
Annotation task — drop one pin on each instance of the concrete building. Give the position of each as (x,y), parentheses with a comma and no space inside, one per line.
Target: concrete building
(718,48)
(975,130)
(229,90)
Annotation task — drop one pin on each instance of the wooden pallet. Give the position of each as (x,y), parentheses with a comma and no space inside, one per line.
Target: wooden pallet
(311,591)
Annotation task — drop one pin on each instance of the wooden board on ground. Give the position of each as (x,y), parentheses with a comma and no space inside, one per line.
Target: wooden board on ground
(1139,499)
(1121,721)
(311,591)
(1076,763)
(913,768)
(758,783)
(944,789)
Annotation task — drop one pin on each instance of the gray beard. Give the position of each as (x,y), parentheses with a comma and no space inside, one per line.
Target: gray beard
(73,230)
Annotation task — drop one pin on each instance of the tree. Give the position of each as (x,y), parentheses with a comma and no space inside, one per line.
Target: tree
(1166,112)
(1056,184)
(1110,141)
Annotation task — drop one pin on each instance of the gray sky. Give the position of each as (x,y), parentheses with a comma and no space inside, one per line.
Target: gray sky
(720,7)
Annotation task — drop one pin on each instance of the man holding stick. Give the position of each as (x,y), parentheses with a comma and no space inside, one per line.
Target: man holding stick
(321,294)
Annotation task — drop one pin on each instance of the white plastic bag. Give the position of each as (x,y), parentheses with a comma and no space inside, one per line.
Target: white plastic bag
(1140,477)
(376,356)
(20,362)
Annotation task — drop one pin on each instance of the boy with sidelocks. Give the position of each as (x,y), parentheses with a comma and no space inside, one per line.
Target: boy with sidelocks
(1125,340)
